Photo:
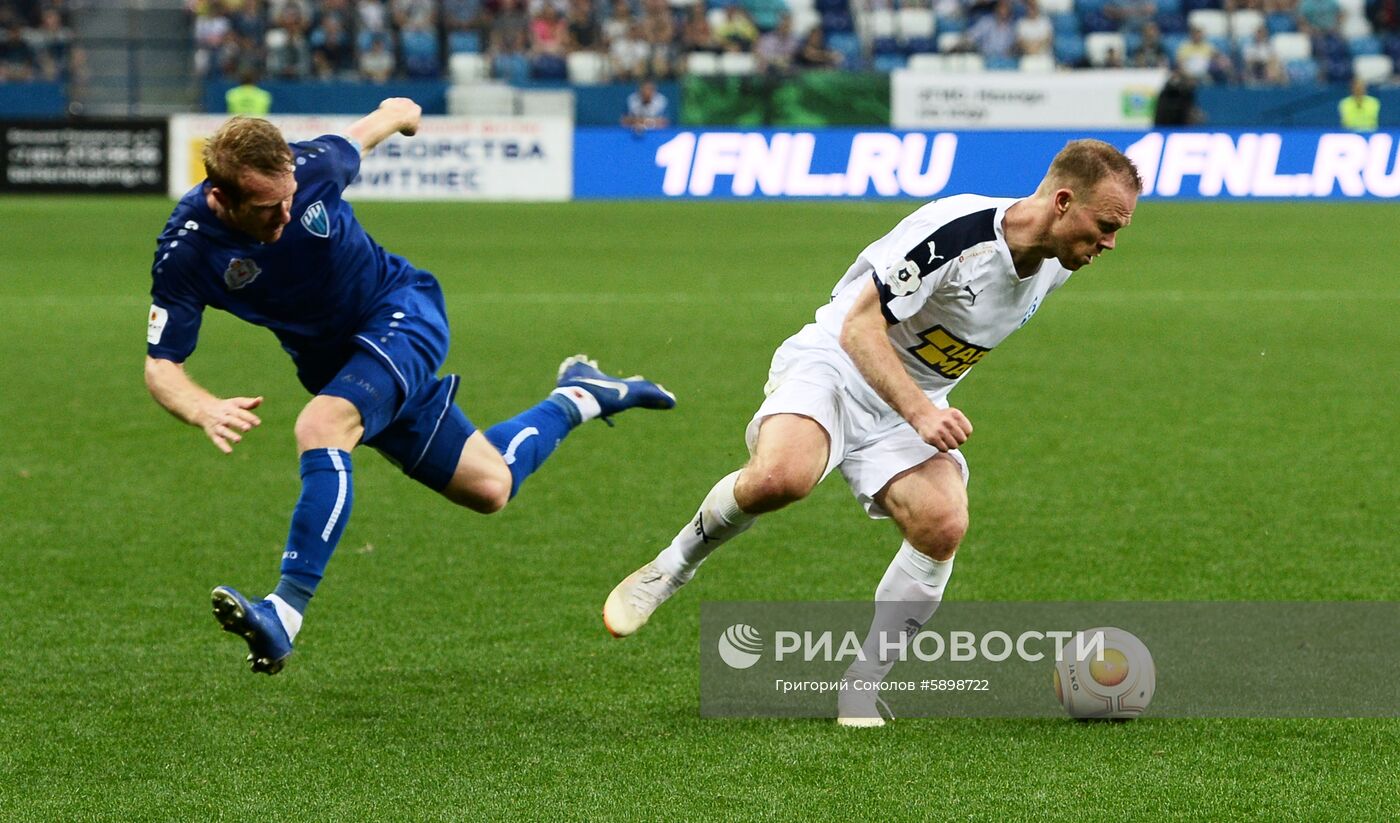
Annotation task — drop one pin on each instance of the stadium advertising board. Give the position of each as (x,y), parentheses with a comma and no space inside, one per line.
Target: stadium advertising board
(1000,100)
(451,158)
(106,156)
(845,163)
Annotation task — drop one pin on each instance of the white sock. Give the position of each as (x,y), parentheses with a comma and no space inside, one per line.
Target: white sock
(905,600)
(586,403)
(718,520)
(290,617)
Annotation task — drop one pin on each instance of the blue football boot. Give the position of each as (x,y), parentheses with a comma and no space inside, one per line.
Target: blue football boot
(258,624)
(614,394)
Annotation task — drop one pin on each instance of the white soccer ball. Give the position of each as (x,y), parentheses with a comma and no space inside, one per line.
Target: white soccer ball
(1117,684)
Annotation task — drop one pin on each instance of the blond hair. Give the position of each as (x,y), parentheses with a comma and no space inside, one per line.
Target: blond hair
(245,144)
(1082,164)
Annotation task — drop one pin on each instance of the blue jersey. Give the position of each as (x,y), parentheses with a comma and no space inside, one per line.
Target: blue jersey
(314,287)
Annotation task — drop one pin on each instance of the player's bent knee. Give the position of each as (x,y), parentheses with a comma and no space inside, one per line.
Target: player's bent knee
(763,489)
(328,422)
(939,535)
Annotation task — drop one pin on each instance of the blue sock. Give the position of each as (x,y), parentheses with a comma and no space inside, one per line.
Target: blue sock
(526,439)
(327,492)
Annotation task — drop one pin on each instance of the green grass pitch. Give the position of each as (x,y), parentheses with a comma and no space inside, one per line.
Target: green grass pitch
(1206,413)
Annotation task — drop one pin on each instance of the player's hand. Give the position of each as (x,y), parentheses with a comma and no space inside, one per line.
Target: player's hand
(409,114)
(944,429)
(226,420)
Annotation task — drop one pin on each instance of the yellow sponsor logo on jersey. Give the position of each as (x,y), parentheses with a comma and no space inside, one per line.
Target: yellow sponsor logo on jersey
(948,356)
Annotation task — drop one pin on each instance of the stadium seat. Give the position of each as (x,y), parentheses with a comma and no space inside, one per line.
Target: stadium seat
(1168,7)
(1373,68)
(1001,63)
(884,45)
(887,63)
(464,41)
(1245,22)
(837,21)
(1280,22)
(920,45)
(880,24)
(1364,45)
(549,68)
(1064,23)
(587,68)
(1291,46)
(420,54)
(738,64)
(804,20)
(465,67)
(1092,20)
(795,6)
(1171,23)
(950,23)
(715,17)
(1098,45)
(1352,8)
(915,24)
(1069,49)
(1301,72)
(1355,26)
(1053,7)
(1037,64)
(702,63)
(928,63)
(512,68)
(1211,22)
(849,45)
(949,40)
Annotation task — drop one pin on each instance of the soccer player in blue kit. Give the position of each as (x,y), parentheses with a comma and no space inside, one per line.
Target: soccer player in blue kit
(269,239)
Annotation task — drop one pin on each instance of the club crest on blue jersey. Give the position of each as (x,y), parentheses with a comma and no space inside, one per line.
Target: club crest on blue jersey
(315,220)
(240,273)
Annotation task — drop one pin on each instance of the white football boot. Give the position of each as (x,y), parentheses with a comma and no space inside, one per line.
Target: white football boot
(631,603)
(859,708)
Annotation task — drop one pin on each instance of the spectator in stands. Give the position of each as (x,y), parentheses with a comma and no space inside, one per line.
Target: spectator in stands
(249,21)
(697,34)
(16,58)
(373,17)
(584,32)
(377,61)
(1198,58)
(646,109)
(1176,102)
(815,55)
(332,49)
(737,32)
(339,9)
(418,14)
(630,53)
(1359,111)
(659,28)
(240,54)
(52,44)
(1034,32)
(765,14)
(418,47)
(1259,62)
(1151,54)
(1131,15)
(1384,15)
(994,36)
(510,29)
(1317,17)
(618,23)
(211,29)
(288,53)
(549,34)
(248,97)
(465,16)
(777,49)
(1112,59)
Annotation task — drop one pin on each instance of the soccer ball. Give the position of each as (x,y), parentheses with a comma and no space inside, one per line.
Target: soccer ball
(1119,686)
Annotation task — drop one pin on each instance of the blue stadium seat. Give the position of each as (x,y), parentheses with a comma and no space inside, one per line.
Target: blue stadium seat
(1172,42)
(833,5)
(1171,23)
(420,54)
(1063,23)
(1280,23)
(920,45)
(1169,6)
(464,42)
(513,68)
(889,62)
(549,67)
(1188,6)
(1390,45)
(849,45)
(1092,20)
(1364,45)
(837,21)
(951,24)
(884,45)
(1339,71)
(1302,72)
(1069,49)
(1002,64)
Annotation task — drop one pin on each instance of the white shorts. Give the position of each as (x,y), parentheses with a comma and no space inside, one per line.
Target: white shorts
(872,444)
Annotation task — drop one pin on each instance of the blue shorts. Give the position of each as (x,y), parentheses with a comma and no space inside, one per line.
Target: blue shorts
(389,372)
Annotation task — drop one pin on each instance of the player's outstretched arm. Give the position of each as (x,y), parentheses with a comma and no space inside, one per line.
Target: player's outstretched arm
(395,115)
(223,419)
(865,338)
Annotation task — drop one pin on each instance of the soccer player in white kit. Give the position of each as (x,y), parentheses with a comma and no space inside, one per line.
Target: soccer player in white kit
(865,387)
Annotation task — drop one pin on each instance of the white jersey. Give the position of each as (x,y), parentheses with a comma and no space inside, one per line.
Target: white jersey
(947,288)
